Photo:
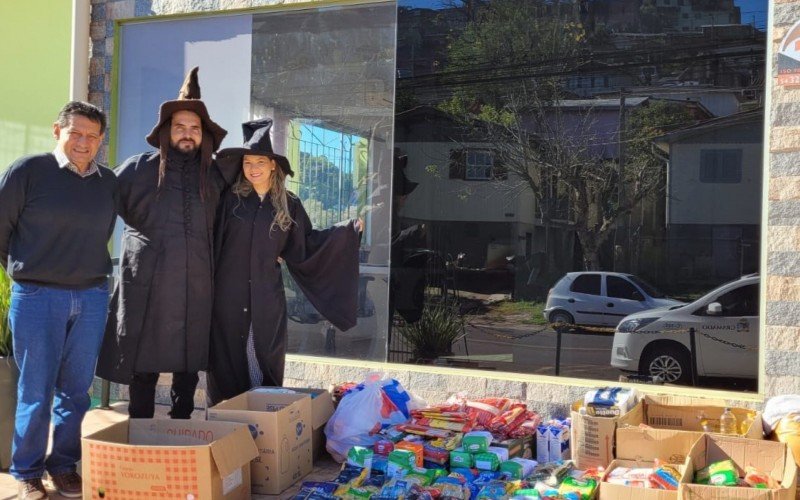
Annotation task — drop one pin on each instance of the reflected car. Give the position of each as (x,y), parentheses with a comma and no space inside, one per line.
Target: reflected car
(657,343)
(601,298)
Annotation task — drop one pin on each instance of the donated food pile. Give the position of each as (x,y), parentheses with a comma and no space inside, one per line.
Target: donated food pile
(476,448)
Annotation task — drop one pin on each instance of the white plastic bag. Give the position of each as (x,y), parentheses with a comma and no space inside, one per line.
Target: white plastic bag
(777,408)
(364,411)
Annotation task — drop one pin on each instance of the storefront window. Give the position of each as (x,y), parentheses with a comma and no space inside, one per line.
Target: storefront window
(620,150)
(560,187)
(326,78)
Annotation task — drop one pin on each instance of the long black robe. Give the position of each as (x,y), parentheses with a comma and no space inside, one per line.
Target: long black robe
(160,313)
(249,287)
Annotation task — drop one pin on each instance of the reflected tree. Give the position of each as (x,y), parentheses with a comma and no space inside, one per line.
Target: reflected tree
(550,145)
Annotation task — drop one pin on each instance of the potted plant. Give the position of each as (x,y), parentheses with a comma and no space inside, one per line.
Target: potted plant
(8,375)
(434,334)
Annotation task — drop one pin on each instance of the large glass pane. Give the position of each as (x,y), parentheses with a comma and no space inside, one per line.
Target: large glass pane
(543,139)
(326,77)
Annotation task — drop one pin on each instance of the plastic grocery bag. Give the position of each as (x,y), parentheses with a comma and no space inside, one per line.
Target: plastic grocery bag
(777,408)
(364,411)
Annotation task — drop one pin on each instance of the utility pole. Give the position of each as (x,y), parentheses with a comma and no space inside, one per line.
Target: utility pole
(620,169)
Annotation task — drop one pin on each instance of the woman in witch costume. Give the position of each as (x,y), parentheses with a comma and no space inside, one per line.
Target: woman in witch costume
(258,223)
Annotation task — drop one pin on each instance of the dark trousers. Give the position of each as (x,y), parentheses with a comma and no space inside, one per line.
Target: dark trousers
(143,395)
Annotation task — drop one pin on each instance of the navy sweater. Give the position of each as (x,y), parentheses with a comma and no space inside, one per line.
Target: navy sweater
(55,225)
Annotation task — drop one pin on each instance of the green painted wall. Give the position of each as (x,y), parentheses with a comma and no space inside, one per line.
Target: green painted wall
(35,66)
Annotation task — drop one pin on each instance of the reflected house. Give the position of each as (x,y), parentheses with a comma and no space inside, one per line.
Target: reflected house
(466,212)
(475,208)
(713,199)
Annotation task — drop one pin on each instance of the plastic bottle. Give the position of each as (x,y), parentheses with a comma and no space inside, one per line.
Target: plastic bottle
(745,424)
(728,423)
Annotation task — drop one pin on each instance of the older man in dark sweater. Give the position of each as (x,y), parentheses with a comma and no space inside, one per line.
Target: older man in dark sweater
(57,212)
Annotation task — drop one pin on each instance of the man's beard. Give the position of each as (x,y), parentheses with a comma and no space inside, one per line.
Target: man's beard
(185,146)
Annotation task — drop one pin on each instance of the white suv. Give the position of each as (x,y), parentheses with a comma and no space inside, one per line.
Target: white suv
(726,336)
(599,298)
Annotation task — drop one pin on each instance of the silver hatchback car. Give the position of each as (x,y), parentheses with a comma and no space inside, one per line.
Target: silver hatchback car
(601,298)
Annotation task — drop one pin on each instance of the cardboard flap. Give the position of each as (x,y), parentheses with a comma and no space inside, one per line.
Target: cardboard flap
(169,432)
(236,449)
(321,405)
(665,399)
(648,444)
(114,433)
(766,456)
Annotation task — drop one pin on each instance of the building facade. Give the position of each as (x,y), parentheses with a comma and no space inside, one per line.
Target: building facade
(265,57)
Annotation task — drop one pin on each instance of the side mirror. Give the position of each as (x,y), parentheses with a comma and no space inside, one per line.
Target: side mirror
(637,296)
(714,309)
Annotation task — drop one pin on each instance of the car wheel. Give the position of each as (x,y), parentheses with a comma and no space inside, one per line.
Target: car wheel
(670,363)
(561,317)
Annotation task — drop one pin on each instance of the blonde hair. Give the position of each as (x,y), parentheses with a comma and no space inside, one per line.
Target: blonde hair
(277,192)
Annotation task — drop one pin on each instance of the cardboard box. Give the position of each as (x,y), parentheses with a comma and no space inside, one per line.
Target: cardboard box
(673,427)
(321,411)
(768,457)
(608,491)
(281,424)
(591,438)
(144,458)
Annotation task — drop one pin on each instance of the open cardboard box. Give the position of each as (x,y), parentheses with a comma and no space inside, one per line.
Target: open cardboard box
(608,491)
(281,425)
(768,457)
(591,438)
(321,411)
(672,427)
(145,458)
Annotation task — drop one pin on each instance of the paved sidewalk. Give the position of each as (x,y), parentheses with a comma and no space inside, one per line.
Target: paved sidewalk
(326,470)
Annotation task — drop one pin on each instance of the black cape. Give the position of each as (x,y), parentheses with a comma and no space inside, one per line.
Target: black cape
(249,287)
(160,312)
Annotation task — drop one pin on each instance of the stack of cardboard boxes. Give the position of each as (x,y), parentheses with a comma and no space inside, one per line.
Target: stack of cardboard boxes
(262,441)
(670,430)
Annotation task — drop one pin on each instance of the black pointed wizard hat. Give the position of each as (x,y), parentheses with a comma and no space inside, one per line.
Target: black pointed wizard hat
(256,142)
(188,100)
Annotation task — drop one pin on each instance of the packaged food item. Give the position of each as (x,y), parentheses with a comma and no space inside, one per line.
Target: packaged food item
(487,461)
(552,474)
(360,457)
(476,441)
(518,468)
(490,459)
(585,488)
(721,473)
(322,487)
(435,455)
(351,475)
(558,447)
(526,494)
(664,479)
(415,448)
(461,458)
(379,464)
(757,479)
(400,462)
(543,444)
(383,447)
(493,490)
(609,401)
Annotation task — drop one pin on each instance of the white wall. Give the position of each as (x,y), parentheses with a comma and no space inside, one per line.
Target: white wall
(440,198)
(693,202)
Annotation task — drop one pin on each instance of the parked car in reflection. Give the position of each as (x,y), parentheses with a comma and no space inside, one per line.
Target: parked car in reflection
(725,320)
(601,298)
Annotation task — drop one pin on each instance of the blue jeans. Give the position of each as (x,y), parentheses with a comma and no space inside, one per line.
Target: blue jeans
(57,335)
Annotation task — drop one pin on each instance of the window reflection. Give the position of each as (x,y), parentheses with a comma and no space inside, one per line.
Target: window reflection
(545,138)
(325,76)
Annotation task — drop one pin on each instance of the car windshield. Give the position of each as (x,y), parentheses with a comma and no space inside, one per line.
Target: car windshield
(647,287)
